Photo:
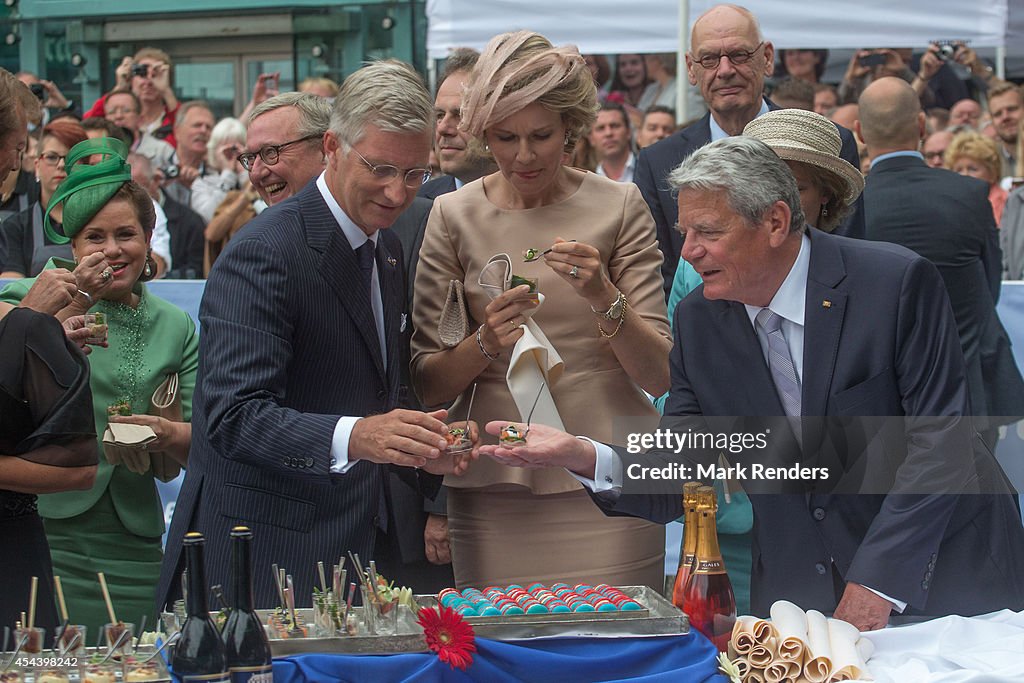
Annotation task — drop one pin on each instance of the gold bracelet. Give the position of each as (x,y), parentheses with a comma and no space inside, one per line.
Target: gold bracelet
(622,319)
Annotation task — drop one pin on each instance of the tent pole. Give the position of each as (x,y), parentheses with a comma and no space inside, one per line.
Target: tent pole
(682,80)
(1001,61)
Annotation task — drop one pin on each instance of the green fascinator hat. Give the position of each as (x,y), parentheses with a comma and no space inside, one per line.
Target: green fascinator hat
(88,188)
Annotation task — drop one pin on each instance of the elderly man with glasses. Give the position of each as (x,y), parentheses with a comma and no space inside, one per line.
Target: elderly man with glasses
(298,413)
(728,60)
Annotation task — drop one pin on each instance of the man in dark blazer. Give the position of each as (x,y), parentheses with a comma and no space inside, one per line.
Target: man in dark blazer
(946,218)
(866,330)
(295,418)
(732,88)
(460,157)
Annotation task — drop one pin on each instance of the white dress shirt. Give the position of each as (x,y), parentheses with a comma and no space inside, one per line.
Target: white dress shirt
(356,238)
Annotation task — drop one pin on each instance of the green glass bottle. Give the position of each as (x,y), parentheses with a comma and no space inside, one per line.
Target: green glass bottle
(246,648)
(199,654)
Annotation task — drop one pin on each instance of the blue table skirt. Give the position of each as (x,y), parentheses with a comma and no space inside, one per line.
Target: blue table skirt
(679,659)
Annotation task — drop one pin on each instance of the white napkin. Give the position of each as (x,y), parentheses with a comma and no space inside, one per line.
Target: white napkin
(535,362)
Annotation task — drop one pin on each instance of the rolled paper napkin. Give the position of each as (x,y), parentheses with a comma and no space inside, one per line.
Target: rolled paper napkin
(847,663)
(763,654)
(866,648)
(818,657)
(791,623)
(781,670)
(742,666)
(749,631)
(755,676)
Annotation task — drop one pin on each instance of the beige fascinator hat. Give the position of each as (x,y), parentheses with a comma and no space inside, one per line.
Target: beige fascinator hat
(799,135)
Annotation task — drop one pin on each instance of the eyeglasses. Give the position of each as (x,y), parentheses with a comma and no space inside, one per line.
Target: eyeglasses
(121,110)
(414,177)
(736,57)
(270,154)
(52,158)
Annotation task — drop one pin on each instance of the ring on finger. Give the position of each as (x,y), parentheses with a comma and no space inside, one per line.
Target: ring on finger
(574,273)
(107,273)
(512,324)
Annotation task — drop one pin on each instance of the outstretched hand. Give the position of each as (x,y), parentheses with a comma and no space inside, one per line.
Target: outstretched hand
(545,447)
(401,437)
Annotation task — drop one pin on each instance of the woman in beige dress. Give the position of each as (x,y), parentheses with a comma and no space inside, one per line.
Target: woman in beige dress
(602,315)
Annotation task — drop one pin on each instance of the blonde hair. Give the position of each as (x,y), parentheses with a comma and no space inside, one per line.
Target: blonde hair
(978,147)
(521,68)
(319,82)
(387,94)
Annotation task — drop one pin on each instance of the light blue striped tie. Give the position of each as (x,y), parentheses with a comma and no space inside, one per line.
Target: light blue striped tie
(787,386)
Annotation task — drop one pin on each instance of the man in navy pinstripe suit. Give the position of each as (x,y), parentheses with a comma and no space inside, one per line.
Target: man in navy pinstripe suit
(295,418)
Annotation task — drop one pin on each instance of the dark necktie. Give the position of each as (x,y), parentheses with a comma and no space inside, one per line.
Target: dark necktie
(366,255)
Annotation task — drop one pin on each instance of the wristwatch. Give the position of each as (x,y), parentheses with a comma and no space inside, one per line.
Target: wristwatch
(614,311)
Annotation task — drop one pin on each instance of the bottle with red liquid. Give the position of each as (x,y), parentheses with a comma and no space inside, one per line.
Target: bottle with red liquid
(688,547)
(708,599)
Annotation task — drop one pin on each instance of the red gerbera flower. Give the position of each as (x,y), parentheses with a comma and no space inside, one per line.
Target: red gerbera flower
(448,635)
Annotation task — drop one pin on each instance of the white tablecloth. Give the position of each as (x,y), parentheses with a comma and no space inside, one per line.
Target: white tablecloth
(984,649)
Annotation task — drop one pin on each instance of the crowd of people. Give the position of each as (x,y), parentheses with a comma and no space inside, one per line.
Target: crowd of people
(798,251)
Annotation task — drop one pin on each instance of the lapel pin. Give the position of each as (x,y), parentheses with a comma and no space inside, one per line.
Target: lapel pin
(392,262)
(826,304)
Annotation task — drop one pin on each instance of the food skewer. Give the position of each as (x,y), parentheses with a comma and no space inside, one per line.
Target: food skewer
(531,255)
(323,575)
(60,599)
(106,598)
(32,602)
(277,582)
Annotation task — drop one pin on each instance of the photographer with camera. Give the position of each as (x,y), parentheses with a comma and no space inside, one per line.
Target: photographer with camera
(192,130)
(53,100)
(936,74)
(147,74)
(226,142)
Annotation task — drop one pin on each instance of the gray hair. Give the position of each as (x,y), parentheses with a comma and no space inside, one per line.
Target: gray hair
(226,129)
(750,174)
(387,94)
(314,111)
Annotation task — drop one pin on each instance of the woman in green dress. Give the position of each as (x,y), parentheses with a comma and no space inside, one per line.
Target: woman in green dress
(115,527)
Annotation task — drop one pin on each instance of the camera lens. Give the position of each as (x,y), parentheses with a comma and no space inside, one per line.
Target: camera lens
(946,52)
(141,70)
(38,90)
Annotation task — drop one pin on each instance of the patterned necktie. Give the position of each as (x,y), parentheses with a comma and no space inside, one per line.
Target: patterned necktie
(366,256)
(787,386)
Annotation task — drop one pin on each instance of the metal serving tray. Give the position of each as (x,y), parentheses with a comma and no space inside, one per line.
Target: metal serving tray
(29,675)
(658,617)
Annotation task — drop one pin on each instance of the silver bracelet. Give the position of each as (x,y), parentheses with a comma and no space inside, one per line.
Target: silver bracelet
(480,343)
(88,297)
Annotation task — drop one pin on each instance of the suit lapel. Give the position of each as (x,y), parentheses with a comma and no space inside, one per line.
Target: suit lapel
(823,321)
(392,297)
(339,267)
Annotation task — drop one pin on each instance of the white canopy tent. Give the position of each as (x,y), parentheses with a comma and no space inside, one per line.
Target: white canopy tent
(601,26)
(653,25)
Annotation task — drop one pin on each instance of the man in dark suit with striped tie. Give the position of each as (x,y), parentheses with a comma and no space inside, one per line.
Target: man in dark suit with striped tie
(295,416)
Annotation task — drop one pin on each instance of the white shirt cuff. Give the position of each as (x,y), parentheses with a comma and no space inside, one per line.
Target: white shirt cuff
(897,605)
(339,445)
(607,469)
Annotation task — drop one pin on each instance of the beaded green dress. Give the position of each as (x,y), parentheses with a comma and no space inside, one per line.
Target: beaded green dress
(116,526)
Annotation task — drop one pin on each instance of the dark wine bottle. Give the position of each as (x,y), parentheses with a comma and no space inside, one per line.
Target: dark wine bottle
(709,600)
(688,547)
(199,654)
(246,648)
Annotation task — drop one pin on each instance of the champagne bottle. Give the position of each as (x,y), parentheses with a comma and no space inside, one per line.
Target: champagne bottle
(688,547)
(199,654)
(708,599)
(246,649)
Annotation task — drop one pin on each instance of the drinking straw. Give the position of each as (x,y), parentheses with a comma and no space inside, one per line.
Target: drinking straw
(323,576)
